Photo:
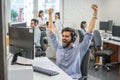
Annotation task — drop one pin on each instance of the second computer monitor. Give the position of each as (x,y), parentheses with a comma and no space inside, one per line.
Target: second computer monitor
(104,25)
(116,31)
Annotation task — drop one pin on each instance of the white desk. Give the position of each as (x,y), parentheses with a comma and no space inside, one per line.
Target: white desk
(44,62)
(111,41)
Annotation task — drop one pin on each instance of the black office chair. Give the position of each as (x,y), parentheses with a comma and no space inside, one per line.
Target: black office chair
(85,66)
(105,54)
(40,50)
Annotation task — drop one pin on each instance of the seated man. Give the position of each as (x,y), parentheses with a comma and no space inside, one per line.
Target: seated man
(37,32)
(69,56)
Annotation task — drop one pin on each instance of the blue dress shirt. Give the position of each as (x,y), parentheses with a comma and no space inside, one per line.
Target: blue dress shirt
(37,36)
(69,59)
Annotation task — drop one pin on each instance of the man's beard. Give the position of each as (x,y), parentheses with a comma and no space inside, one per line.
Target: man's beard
(67,43)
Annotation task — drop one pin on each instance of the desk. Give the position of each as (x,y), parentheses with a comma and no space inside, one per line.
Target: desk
(44,62)
(116,47)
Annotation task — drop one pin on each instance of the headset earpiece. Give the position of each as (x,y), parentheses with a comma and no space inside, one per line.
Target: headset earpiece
(36,23)
(74,36)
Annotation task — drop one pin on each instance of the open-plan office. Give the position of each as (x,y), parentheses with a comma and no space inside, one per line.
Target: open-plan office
(20,59)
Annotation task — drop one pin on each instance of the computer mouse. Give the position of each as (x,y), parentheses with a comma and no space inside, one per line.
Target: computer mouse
(110,38)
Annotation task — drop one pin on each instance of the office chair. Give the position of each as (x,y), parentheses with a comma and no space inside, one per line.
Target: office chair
(105,54)
(41,50)
(86,59)
(85,66)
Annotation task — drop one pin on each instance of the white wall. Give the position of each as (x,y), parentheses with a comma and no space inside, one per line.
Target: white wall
(111,11)
(76,11)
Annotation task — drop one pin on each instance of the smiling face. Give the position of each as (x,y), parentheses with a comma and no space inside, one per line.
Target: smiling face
(66,38)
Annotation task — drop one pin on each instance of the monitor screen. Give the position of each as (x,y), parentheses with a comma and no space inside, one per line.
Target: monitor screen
(104,25)
(116,31)
(110,22)
(22,39)
(18,24)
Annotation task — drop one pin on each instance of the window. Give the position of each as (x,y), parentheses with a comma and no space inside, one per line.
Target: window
(21,10)
(46,4)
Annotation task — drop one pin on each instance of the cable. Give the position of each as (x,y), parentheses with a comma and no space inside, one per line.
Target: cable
(23,64)
(9,57)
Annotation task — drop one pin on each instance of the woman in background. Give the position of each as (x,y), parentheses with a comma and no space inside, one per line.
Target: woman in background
(40,19)
(58,25)
(83,26)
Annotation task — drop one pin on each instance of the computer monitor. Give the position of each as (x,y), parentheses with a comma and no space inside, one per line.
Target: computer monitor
(21,42)
(110,22)
(104,26)
(18,24)
(116,31)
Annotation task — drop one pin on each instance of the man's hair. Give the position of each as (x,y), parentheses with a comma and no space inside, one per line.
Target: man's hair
(41,11)
(72,31)
(35,21)
(57,13)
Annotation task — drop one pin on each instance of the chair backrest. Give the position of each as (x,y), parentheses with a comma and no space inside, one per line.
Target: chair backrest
(85,64)
(81,36)
(43,40)
(97,39)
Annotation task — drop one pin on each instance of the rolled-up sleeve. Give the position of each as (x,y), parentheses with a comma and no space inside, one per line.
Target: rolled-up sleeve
(54,41)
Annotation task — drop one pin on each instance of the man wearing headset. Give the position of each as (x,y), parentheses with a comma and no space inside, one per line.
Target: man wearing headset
(69,56)
(37,33)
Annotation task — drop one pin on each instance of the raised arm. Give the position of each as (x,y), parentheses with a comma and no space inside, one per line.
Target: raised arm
(84,45)
(51,27)
(51,30)
(93,20)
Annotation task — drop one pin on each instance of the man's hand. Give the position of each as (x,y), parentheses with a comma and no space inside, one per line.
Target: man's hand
(94,7)
(93,20)
(50,11)
(51,27)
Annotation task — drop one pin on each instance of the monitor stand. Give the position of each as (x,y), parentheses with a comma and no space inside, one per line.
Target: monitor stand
(15,57)
(105,31)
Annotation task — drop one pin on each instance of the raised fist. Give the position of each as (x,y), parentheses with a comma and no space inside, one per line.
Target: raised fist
(94,7)
(50,11)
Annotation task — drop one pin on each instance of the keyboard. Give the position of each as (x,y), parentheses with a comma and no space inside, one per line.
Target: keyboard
(116,40)
(45,71)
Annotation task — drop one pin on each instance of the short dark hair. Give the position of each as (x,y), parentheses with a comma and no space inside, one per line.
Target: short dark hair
(57,13)
(35,21)
(72,31)
(81,25)
(41,11)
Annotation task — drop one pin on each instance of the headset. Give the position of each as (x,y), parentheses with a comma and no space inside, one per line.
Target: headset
(35,22)
(74,36)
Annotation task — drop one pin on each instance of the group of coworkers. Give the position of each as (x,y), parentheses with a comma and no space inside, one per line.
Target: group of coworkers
(68,55)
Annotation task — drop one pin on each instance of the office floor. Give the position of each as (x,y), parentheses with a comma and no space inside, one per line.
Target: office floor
(101,74)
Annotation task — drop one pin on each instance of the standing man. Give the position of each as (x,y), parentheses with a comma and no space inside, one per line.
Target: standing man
(69,56)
